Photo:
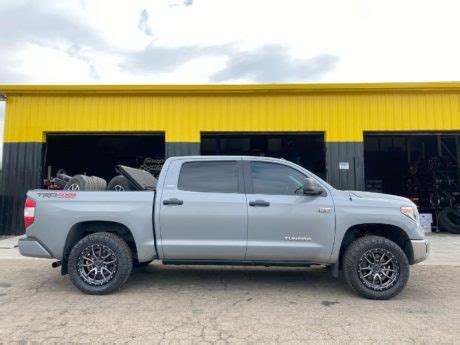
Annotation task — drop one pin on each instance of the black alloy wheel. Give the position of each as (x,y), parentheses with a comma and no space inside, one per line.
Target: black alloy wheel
(375,267)
(100,263)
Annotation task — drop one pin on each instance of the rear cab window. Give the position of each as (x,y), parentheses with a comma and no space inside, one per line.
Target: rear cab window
(210,177)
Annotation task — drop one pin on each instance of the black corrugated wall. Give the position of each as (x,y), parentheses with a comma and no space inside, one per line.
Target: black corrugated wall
(182,149)
(336,153)
(23,166)
(22,170)
(345,152)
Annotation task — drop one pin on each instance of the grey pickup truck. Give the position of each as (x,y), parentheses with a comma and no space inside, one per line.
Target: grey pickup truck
(227,210)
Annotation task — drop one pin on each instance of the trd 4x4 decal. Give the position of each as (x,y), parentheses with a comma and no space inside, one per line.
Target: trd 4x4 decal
(59,195)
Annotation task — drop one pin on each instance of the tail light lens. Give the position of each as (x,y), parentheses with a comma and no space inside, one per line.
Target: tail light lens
(29,212)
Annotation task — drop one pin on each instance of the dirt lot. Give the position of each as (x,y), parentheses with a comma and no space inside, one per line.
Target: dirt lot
(208,304)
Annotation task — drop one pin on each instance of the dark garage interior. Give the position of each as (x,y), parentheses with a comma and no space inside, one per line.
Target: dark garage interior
(422,167)
(98,154)
(305,149)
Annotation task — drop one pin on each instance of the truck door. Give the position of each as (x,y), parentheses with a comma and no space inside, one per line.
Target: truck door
(203,213)
(283,223)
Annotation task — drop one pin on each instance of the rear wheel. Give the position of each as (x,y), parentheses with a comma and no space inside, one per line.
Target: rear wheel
(375,267)
(100,263)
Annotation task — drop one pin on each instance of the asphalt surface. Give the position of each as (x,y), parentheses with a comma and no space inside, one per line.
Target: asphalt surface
(172,304)
(208,304)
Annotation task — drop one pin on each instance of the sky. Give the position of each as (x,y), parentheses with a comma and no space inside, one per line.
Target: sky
(227,41)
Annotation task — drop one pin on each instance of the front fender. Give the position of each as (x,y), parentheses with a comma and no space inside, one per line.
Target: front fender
(351,214)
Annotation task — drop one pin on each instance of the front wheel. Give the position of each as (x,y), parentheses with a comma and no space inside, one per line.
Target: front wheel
(100,263)
(375,267)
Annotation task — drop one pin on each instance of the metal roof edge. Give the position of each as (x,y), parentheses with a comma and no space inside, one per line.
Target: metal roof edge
(226,88)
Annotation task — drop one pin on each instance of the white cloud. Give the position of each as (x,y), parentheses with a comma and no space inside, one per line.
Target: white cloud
(144,23)
(103,41)
(272,63)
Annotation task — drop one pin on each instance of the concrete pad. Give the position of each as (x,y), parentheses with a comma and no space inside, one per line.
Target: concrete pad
(196,304)
(9,242)
(203,304)
(445,249)
(10,251)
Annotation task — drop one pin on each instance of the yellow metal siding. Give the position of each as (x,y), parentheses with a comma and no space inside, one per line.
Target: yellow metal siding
(343,116)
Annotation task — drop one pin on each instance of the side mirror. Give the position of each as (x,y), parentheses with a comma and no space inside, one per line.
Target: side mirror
(311,187)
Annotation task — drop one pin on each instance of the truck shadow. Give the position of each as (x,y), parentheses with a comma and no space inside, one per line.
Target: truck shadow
(215,278)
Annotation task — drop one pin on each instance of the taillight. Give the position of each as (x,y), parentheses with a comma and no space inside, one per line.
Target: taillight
(29,212)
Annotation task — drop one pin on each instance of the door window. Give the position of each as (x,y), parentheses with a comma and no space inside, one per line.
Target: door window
(275,179)
(210,177)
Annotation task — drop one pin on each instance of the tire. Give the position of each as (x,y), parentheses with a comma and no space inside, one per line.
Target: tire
(78,182)
(64,177)
(98,183)
(120,183)
(355,271)
(83,182)
(91,184)
(120,263)
(449,220)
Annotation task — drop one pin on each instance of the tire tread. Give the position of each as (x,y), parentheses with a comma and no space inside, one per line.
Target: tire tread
(353,254)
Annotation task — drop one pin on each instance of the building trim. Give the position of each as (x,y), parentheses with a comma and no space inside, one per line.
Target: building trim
(249,88)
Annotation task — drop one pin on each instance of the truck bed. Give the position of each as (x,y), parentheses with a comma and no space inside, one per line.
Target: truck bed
(70,209)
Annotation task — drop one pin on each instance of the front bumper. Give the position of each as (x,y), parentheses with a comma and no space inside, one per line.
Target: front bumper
(420,250)
(31,247)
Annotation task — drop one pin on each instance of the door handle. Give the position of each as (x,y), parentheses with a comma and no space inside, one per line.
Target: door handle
(173,201)
(261,203)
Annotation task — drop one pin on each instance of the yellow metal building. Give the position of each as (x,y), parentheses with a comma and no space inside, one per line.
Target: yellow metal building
(341,114)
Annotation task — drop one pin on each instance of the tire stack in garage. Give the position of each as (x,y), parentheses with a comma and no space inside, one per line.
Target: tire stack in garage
(120,183)
(88,183)
(449,220)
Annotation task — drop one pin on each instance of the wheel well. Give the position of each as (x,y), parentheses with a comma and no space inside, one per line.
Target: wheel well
(391,232)
(83,229)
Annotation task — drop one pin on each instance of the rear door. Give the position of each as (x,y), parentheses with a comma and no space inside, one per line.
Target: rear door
(203,213)
(283,223)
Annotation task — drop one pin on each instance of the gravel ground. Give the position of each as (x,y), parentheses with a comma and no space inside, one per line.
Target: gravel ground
(225,304)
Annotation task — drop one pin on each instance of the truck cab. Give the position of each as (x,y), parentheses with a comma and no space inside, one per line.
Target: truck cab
(243,209)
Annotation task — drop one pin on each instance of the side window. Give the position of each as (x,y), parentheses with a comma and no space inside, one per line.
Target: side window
(275,179)
(211,177)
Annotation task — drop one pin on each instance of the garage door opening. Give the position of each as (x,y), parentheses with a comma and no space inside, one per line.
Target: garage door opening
(305,149)
(422,167)
(98,154)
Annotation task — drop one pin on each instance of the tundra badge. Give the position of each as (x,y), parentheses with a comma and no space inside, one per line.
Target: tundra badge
(297,238)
